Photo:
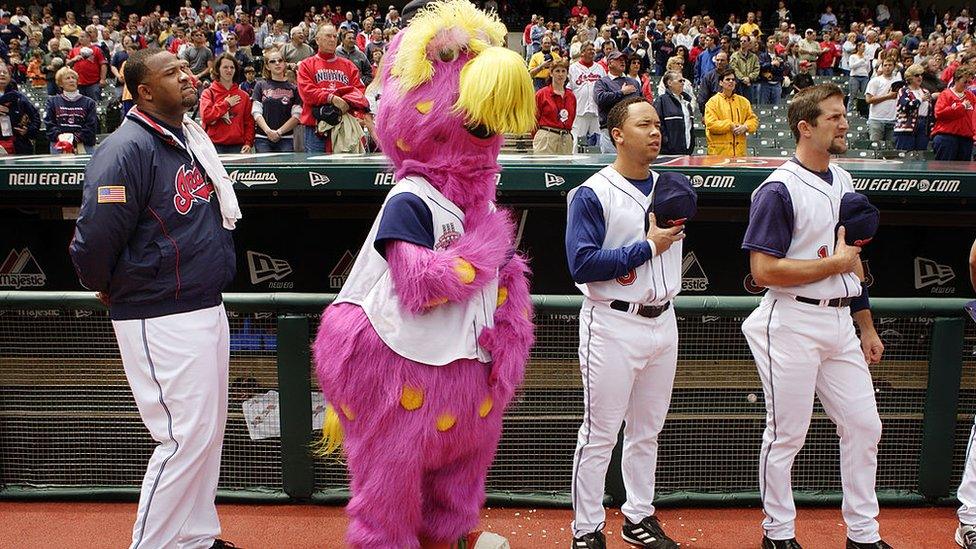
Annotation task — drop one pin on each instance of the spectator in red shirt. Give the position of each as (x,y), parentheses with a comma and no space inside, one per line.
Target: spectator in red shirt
(829,54)
(245,34)
(952,136)
(555,114)
(579,10)
(527,36)
(90,64)
(225,109)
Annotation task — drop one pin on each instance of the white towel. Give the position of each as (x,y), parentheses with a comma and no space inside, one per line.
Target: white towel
(203,149)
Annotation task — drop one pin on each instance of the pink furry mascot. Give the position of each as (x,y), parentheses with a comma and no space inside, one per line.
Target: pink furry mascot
(428,340)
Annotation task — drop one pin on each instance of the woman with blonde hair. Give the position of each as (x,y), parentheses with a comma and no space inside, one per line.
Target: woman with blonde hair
(275,106)
(70,119)
(913,112)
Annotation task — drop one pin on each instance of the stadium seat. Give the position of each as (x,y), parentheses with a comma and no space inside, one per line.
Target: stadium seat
(858,153)
(772,151)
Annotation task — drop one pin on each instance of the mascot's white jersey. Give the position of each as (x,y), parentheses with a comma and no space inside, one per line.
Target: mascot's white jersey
(441,334)
(625,209)
(816,213)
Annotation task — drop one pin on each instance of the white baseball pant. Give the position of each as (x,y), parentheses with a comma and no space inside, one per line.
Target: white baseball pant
(628,364)
(583,126)
(967,488)
(802,349)
(177,367)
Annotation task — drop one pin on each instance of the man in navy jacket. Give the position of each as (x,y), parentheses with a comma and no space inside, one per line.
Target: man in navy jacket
(149,239)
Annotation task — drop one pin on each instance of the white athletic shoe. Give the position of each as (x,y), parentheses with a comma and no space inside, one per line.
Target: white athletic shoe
(483,540)
(966,536)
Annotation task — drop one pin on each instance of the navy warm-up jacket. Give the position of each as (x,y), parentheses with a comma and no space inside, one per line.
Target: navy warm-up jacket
(149,233)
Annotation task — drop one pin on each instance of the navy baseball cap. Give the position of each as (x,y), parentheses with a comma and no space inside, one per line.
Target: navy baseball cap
(675,200)
(860,219)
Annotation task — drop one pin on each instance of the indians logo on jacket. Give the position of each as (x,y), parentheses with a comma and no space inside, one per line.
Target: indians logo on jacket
(190,185)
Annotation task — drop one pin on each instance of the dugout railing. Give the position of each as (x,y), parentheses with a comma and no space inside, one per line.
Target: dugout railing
(70,429)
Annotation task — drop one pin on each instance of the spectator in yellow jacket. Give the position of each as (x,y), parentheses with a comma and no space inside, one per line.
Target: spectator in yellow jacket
(728,118)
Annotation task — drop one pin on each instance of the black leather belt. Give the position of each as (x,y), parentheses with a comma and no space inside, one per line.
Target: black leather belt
(835,302)
(555,130)
(647,311)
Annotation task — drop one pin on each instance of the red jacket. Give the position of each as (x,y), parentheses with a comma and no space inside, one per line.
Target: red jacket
(554,111)
(89,70)
(951,116)
(227,125)
(319,78)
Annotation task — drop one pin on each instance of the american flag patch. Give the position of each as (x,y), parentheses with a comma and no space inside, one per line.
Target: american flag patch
(112,194)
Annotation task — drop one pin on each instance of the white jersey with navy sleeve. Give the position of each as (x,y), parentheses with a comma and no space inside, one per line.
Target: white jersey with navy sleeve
(656,281)
(370,286)
(816,213)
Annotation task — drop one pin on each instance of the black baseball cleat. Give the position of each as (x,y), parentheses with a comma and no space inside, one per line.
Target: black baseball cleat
(593,540)
(880,544)
(221,544)
(646,533)
(780,543)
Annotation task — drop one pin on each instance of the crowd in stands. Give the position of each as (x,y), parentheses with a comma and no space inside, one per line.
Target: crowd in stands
(271,81)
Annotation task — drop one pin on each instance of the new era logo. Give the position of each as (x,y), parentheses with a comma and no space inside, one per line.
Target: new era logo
(553,180)
(928,273)
(263,267)
(317,179)
(20,270)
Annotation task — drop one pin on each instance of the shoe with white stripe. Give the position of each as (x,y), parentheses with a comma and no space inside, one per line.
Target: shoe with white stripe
(966,536)
(880,544)
(646,533)
(780,543)
(593,540)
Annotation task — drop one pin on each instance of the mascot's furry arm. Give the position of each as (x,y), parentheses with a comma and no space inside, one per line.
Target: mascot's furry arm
(511,338)
(424,278)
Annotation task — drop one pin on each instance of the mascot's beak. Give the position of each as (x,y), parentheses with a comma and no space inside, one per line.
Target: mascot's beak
(496,94)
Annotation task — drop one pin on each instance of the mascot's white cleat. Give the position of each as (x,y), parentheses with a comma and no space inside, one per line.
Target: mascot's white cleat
(482,540)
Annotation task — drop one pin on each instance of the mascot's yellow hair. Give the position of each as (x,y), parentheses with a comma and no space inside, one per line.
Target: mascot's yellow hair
(495,88)
(412,67)
(496,92)
(332,434)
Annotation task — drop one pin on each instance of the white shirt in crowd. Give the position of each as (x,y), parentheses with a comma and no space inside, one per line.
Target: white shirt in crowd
(884,111)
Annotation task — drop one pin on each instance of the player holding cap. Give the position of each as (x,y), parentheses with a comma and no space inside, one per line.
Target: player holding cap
(806,226)
(623,243)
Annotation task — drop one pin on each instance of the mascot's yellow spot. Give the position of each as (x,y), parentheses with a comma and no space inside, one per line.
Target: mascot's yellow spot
(402,145)
(411,398)
(424,107)
(347,412)
(502,296)
(445,422)
(486,406)
(464,270)
(437,301)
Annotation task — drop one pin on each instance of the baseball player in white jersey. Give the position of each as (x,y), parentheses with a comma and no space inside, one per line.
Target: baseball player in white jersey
(966,532)
(629,270)
(583,75)
(802,247)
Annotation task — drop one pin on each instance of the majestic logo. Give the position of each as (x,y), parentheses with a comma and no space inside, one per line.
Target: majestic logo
(20,270)
(250,178)
(317,179)
(264,268)
(190,186)
(929,273)
(341,270)
(627,279)
(448,235)
(553,180)
(693,277)
(750,285)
